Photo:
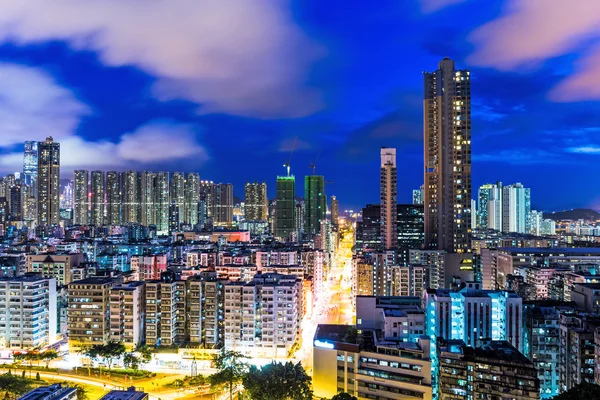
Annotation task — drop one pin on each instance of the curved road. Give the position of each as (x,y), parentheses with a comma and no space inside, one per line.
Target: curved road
(102,384)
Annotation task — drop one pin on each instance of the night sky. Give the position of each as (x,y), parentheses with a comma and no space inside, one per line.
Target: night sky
(224,87)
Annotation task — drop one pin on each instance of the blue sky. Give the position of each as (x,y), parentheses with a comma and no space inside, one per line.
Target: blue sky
(223,88)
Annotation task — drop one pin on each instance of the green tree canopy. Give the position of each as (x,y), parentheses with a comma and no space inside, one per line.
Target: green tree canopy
(583,391)
(277,381)
(231,366)
(108,352)
(343,396)
(13,386)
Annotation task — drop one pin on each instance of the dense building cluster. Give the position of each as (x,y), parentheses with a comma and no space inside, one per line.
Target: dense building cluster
(450,297)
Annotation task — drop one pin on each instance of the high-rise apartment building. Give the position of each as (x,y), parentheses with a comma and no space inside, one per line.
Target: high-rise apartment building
(388,197)
(489,206)
(255,201)
(97,198)
(177,190)
(16,201)
(48,182)
(147,198)
(30,165)
(161,201)
(447,139)
(191,198)
(222,197)
(315,204)
(81,198)
(516,206)
(28,312)
(409,221)
(472,314)
(113,198)
(417,195)
(262,317)
(285,218)
(335,211)
(130,197)
(128,314)
(89,311)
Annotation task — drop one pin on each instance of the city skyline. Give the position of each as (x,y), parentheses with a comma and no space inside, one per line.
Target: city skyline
(109,108)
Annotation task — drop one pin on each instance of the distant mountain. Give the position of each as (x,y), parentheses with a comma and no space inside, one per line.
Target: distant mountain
(574,214)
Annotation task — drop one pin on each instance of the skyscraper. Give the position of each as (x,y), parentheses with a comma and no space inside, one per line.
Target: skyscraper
(335,213)
(417,195)
(447,158)
(388,188)
(191,198)
(97,198)
(489,206)
(48,182)
(285,218)
(80,200)
(205,208)
(223,203)
(130,199)
(147,196)
(255,199)
(113,198)
(515,208)
(161,202)
(315,204)
(30,164)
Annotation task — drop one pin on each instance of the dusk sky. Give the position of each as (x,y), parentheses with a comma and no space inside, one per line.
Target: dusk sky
(222,87)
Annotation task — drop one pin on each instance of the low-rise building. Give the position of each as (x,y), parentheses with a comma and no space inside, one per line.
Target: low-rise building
(52,392)
(492,370)
(54,265)
(369,367)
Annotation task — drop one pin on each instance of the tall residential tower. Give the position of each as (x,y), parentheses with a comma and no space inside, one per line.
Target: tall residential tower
(48,182)
(315,202)
(388,197)
(447,158)
(255,199)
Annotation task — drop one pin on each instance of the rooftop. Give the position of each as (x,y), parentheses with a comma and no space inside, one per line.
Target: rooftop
(554,250)
(56,391)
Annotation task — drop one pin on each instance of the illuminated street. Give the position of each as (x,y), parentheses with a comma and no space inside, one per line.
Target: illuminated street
(334,304)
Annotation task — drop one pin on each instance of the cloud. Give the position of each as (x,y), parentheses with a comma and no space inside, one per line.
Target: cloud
(591,149)
(244,57)
(434,5)
(32,104)
(161,141)
(531,32)
(153,142)
(518,157)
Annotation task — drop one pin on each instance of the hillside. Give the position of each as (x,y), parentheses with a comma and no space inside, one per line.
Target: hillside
(574,214)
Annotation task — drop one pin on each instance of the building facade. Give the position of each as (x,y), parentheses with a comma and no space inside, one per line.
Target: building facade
(447,138)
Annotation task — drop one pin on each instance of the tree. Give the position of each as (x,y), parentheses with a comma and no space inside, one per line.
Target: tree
(343,396)
(80,390)
(47,356)
(582,391)
(111,352)
(232,368)
(277,381)
(13,386)
(131,361)
(144,353)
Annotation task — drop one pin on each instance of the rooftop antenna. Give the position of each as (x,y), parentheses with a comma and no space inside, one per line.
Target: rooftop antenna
(287,164)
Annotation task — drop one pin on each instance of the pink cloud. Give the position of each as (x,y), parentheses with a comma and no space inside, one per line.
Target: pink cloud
(530,32)
(244,57)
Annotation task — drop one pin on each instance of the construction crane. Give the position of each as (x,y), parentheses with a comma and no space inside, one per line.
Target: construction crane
(313,165)
(287,164)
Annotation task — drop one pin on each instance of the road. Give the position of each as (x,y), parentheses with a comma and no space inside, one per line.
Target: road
(105,384)
(334,305)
